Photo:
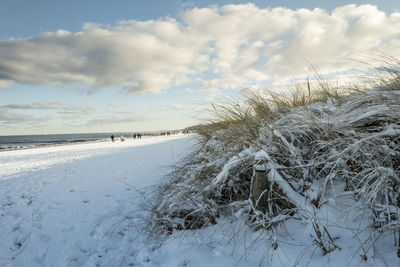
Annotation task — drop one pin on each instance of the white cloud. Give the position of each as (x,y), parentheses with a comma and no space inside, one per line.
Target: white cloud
(213,86)
(113,105)
(141,56)
(5,84)
(9,118)
(64,108)
(333,42)
(78,110)
(40,105)
(236,30)
(115,119)
(186,107)
(233,42)
(67,112)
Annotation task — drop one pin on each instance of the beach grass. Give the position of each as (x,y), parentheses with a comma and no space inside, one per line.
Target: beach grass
(315,144)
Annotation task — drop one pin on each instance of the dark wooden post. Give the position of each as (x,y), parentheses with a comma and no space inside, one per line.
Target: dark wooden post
(260,184)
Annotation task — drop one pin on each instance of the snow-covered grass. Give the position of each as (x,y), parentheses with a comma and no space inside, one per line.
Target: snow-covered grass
(331,161)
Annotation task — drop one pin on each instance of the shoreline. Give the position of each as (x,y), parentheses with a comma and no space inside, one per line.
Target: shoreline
(44,145)
(15,162)
(28,146)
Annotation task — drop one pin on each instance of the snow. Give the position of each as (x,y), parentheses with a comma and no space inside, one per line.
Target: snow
(87,205)
(222,176)
(77,205)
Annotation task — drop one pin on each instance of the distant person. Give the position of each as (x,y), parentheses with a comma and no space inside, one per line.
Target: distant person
(112,138)
(134,136)
(122,138)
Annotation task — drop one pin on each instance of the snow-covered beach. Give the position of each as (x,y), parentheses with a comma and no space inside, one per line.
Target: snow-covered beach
(87,205)
(77,205)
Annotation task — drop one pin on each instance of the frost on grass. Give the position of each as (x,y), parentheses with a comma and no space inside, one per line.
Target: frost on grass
(307,148)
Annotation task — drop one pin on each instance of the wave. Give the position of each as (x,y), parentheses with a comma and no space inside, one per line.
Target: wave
(20,145)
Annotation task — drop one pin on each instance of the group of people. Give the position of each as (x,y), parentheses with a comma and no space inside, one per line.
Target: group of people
(137,135)
(122,138)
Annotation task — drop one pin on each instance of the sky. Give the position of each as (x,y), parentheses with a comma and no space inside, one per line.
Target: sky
(126,65)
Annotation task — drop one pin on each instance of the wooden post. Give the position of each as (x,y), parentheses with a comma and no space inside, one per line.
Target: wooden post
(260,184)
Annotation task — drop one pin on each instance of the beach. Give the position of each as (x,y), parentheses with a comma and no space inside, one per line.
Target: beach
(81,204)
(89,204)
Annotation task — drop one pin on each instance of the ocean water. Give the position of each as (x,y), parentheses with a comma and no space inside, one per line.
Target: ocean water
(13,142)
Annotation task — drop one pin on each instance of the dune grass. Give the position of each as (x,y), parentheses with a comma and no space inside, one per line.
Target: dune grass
(315,144)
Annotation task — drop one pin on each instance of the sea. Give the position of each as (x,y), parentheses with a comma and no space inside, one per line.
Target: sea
(16,142)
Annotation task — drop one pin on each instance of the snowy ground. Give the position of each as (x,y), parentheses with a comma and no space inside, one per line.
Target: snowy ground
(79,204)
(83,205)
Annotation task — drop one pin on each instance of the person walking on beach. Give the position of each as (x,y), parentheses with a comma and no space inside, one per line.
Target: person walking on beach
(112,138)
(122,138)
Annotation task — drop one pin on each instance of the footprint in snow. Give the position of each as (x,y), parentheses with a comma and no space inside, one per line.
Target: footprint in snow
(8,204)
(27,199)
(16,245)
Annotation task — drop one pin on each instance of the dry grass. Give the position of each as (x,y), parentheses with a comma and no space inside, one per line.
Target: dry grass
(317,135)
(245,117)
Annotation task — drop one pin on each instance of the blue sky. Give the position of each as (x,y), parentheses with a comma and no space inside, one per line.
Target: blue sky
(107,66)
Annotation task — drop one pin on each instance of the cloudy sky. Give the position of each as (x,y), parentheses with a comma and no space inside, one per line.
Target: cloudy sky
(107,66)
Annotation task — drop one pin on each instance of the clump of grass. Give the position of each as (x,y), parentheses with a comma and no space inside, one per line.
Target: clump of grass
(319,135)
(245,117)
